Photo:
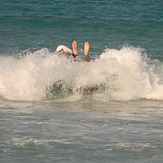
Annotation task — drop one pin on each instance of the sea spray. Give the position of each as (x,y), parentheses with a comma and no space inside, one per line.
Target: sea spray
(124,74)
(136,77)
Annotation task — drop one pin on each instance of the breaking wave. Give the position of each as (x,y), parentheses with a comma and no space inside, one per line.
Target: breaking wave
(124,74)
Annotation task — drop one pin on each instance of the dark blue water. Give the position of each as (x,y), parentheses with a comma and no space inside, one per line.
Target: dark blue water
(37,24)
(44,114)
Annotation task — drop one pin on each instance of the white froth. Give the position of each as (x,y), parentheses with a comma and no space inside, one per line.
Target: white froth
(123,74)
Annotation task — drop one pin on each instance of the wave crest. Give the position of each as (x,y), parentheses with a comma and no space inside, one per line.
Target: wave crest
(124,74)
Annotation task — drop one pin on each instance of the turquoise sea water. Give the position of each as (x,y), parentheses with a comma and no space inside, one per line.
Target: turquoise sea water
(45,114)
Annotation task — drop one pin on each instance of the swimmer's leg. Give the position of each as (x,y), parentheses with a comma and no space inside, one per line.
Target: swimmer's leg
(86,51)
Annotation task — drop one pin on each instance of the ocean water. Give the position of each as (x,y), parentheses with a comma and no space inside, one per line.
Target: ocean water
(54,110)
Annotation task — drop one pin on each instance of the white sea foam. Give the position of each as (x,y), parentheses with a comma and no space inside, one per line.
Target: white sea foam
(123,74)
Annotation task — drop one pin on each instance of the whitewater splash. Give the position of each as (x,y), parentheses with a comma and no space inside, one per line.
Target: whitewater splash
(124,74)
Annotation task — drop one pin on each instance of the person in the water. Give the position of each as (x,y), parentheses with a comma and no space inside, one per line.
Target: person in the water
(72,54)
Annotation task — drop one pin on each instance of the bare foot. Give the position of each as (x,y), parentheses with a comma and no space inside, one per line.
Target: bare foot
(86,51)
(86,48)
(75,47)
